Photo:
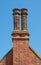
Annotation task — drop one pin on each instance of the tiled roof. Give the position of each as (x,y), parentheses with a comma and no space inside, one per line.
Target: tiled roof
(35,53)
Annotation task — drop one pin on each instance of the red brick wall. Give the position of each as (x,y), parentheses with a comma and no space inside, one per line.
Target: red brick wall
(20,52)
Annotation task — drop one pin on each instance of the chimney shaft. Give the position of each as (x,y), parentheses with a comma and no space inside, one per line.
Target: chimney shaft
(20,39)
(16,13)
(24,19)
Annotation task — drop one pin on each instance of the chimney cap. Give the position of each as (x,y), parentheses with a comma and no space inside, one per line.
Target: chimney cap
(24,9)
(15,9)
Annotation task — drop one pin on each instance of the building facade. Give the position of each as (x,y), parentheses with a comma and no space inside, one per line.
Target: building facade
(21,53)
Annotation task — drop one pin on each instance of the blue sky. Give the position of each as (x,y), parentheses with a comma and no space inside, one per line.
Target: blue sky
(6,23)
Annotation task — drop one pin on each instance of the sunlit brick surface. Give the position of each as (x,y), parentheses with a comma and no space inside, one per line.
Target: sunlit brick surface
(20,52)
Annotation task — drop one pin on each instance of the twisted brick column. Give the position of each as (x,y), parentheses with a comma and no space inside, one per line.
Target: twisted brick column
(24,19)
(16,13)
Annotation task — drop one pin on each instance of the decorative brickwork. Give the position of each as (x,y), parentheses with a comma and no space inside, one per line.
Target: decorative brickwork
(21,53)
(24,19)
(16,15)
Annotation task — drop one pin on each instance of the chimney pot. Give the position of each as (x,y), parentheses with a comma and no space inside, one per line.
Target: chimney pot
(16,14)
(24,18)
(24,11)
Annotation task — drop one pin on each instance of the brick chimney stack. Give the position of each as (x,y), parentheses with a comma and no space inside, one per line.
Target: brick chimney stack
(20,39)
(24,19)
(16,15)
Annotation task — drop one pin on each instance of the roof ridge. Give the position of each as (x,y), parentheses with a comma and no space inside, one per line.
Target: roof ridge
(29,47)
(35,53)
(5,55)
